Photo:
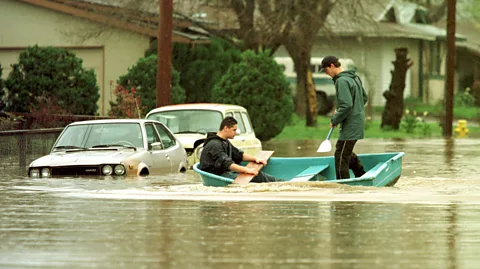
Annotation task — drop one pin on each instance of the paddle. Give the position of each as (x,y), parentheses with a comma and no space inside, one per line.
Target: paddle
(326,146)
(244,178)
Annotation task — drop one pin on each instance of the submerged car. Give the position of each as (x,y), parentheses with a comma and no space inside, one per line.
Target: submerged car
(191,122)
(117,147)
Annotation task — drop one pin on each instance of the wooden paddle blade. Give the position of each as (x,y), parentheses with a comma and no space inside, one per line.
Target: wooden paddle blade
(244,178)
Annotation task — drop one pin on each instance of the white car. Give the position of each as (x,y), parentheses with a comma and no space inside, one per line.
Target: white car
(117,147)
(191,122)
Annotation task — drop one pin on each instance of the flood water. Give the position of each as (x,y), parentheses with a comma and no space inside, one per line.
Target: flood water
(429,219)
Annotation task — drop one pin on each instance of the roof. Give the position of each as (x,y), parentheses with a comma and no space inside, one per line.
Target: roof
(109,121)
(471,30)
(383,18)
(122,14)
(197,106)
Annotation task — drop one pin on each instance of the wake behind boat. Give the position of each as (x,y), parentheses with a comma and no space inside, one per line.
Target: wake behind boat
(382,169)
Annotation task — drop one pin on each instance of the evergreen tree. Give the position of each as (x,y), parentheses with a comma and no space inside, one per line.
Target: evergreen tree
(142,77)
(258,84)
(54,73)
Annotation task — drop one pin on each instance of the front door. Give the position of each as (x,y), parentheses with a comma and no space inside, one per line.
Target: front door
(159,158)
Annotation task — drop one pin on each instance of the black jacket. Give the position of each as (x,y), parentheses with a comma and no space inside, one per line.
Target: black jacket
(218,154)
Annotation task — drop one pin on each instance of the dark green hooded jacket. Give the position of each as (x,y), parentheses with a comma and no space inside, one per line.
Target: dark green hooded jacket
(350,105)
(218,154)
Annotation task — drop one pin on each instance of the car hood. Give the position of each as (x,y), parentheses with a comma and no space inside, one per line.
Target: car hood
(89,157)
(188,140)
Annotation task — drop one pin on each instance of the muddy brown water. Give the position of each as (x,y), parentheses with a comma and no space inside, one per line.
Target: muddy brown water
(429,219)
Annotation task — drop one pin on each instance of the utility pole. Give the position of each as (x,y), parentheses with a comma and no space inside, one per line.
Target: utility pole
(164,56)
(450,69)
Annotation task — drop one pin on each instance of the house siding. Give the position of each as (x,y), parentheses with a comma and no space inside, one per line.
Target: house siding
(110,53)
(374,56)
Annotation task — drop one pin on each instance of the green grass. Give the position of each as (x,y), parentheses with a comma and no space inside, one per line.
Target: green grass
(467,113)
(298,131)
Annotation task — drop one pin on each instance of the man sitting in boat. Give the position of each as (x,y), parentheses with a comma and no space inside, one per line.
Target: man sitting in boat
(220,157)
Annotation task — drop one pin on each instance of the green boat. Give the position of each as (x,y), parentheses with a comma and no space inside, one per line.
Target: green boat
(383,169)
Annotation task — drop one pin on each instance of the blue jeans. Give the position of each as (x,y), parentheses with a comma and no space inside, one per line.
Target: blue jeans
(261,177)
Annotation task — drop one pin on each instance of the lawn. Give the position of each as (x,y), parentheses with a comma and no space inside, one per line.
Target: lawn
(428,129)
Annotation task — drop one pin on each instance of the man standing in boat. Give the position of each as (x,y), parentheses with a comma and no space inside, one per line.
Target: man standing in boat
(349,113)
(220,157)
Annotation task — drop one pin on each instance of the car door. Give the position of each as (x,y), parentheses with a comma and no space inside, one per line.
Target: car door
(174,152)
(158,157)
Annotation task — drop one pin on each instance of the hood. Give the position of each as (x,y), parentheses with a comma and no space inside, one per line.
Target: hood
(90,157)
(212,136)
(350,73)
(188,140)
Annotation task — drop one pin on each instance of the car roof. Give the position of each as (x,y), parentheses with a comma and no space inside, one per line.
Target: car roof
(106,121)
(198,106)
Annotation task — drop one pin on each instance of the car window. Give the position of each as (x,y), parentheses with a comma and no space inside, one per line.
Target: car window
(89,135)
(165,136)
(73,136)
(228,114)
(152,135)
(189,121)
(241,125)
(246,121)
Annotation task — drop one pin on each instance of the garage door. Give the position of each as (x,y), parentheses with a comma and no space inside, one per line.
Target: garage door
(92,59)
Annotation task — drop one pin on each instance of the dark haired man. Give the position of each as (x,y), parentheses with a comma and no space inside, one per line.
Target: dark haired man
(350,113)
(220,157)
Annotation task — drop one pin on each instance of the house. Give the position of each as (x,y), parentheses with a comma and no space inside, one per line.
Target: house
(401,24)
(391,24)
(108,35)
(368,32)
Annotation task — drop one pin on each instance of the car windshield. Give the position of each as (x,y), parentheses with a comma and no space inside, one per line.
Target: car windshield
(100,135)
(189,121)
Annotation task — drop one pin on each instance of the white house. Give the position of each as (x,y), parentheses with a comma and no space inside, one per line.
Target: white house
(372,46)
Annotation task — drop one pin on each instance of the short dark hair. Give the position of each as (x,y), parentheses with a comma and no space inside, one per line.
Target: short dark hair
(229,122)
(329,60)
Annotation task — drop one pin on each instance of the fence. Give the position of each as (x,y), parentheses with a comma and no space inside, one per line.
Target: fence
(20,147)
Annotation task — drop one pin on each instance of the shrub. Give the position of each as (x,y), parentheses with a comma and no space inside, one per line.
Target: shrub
(129,104)
(464,98)
(202,67)
(412,121)
(46,113)
(258,84)
(53,73)
(143,77)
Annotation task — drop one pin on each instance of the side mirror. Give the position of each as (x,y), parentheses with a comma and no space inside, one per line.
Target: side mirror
(154,145)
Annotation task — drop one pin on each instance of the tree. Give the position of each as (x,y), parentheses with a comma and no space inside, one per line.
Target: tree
(142,77)
(393,112)
(268,24)
(53,73)
(258,84)
(201,66)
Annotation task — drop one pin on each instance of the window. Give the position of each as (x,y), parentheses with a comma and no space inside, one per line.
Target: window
(165,136)
(240,125)
(246,121)
(189,121)
(152,135)
(435,58)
